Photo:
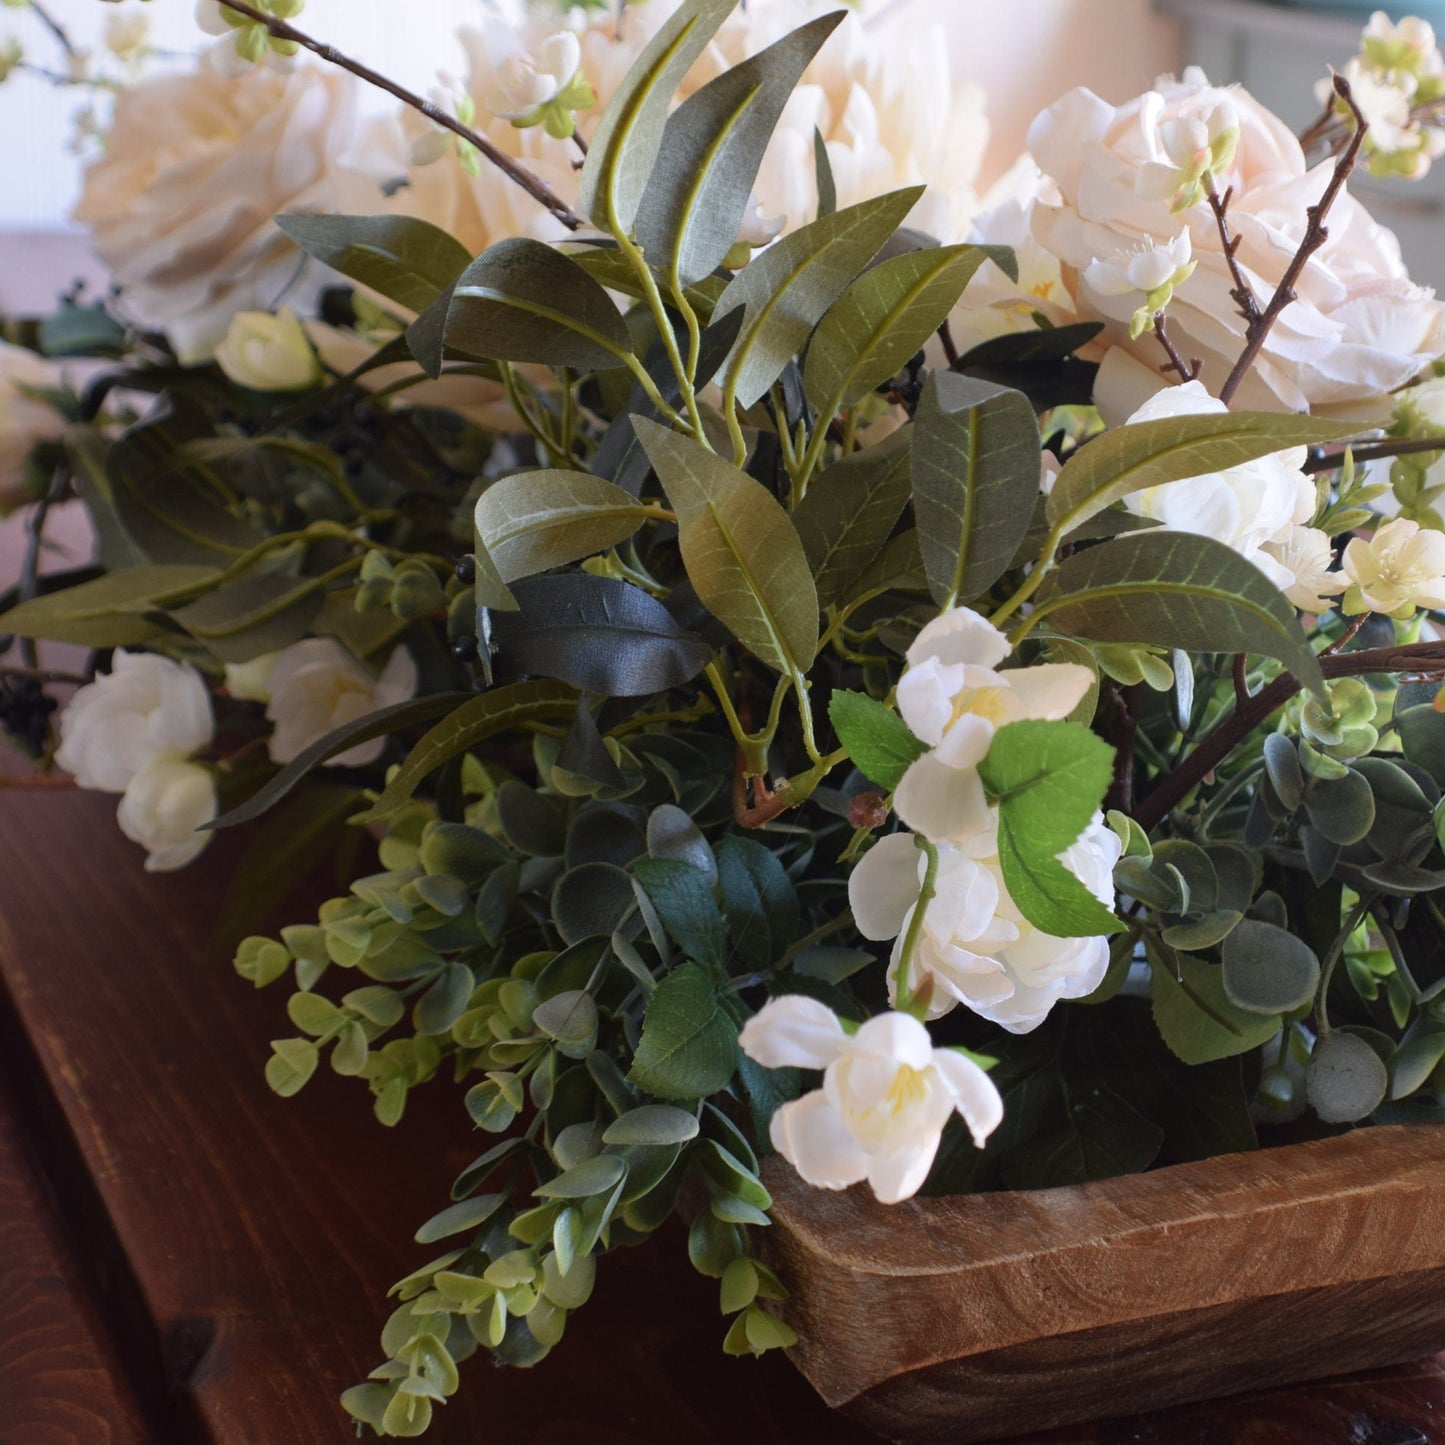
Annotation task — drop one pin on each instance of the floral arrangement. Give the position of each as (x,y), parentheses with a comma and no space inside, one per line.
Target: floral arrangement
(948,698)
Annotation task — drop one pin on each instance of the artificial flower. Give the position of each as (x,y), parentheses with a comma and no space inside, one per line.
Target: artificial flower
(953,698)
(1308,556)
(887,1094)
(25,419)
(1151,270)
(1400,568)
(544,88)
(146,708)
(268,352)
(164,806)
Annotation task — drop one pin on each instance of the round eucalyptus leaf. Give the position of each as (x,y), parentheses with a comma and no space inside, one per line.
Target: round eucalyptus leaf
(1422,737)
(1193,865)
(1343,809)
(1235,869)
(1204,932)
(1281,762)
(605,833)
(533,822)
(1345,1079)
(1402,879)
(577,1142)
(593,1176)
(1414,1062)
(1267,970)
(570,1019)
(671,833)
(655,1124)
(591,901)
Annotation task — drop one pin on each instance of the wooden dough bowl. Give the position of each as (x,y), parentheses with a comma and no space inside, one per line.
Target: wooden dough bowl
(985,1316)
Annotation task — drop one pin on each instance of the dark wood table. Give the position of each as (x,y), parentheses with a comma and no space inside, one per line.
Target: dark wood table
(186,1258)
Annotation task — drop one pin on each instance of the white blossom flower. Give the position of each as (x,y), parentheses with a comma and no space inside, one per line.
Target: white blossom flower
(1358,328)
(1306,554)
(1244,507)
(543,88)
(268,352)
(128,34)
(1188,148)
(165,804)
(1150,268)
(954,699)
(316,685)
(975,946)
(887,1094)
(1400,568)
(146,708)
(25,420)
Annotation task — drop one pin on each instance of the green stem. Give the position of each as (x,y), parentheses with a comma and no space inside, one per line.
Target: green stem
(725,702)
(1327,969)
(907,999)
(1031,583)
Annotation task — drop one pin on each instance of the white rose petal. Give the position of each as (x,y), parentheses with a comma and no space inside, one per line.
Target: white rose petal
(165,804)
(147,707)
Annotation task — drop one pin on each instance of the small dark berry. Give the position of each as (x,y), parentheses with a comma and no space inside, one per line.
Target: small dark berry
(467,570)
(464,649)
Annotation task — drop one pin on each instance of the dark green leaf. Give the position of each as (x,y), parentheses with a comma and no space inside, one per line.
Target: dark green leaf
(1195,1016)
(118,610)
(1267,970)
(684,901)
(590,900)
(689,1045)
(823,175)
(759,899)
(1103,1135)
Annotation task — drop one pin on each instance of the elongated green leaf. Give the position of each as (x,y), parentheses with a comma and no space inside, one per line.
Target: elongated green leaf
(255,614)
(408,260)
(473,722)
(523,301)
(625,147)
(759,899)
(531,521)
(823,175)
(1174,589)
(374,725)
(975,482)
(683,898)
(1048,779)
(884,317)
(899,565)
(118,610)
(712,146)
(1172,449)
(689,1045)
(787,288)
(848,512)
(740,548)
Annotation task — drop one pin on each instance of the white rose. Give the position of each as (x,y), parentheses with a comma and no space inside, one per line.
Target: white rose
(147,707)
(954,700)
(1359,327)
(24,421)
(887,1094)
(181,204)
(1400,568)
(975,945)
(316,686)
(268,353)
(165,804)
(1244,507)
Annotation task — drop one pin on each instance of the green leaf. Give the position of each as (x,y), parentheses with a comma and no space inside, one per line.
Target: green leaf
(712,146)
(523,301)
(1103,1135)
(787,288)
(253,615)
(689,1045)
(1196,1017)
(1172,449)
(1414,1062)
(884,317)
(683,898)
(1345,1079)
(374,725)
(1267,970)
(1175,589)
(467,1214)
(742,552)
(292,1063)
(823,174)
(531,521)
(1048,778)
(975,482)
(408,260)
(592,1176)
(476,720)
(877,739)
(850,509)
(654,1125)
(118,610)
(625,146)
(759,899)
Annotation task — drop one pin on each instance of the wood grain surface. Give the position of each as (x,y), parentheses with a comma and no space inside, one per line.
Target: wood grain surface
(949,1319)
(239,1247)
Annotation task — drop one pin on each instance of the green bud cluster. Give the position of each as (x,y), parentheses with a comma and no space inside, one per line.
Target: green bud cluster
(409,588)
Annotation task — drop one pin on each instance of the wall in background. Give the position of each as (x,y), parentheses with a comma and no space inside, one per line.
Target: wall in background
(1024,54)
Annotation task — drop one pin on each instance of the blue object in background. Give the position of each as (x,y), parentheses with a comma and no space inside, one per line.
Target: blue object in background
(1431,10)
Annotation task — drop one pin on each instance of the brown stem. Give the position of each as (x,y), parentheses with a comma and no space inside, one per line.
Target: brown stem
(54,27)
(1187,371)
(1347,636)
(1241,680)
(1425,658)
(1330,133)
(1327,458)
(950,347)
(1242,293)
(1314,238)
(534,186)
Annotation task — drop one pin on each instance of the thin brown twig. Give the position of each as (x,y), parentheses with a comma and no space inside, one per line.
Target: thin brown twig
(1331,132)
(1423,658)
(1314,238)
(1188,371)
(43,674)
(54,27)
(1242,693)
(1327,458)
(534,186)
(1242,293)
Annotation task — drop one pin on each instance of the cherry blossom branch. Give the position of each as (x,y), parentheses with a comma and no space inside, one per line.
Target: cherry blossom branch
(54,27)
(1315,235)
(1188,371)
(1423,658)
(1327,458)
(534,186)
(1243,293)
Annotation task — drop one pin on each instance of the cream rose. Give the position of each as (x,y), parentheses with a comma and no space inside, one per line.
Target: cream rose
(165,804)
(147,707)
(1359,327)
(181,205)
(268,353)
(25,421)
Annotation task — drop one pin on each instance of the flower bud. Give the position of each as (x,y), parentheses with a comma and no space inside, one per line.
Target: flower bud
(268,353)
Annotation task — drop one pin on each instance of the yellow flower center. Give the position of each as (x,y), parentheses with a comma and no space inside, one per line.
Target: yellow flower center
(989,703)
(909,1087)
